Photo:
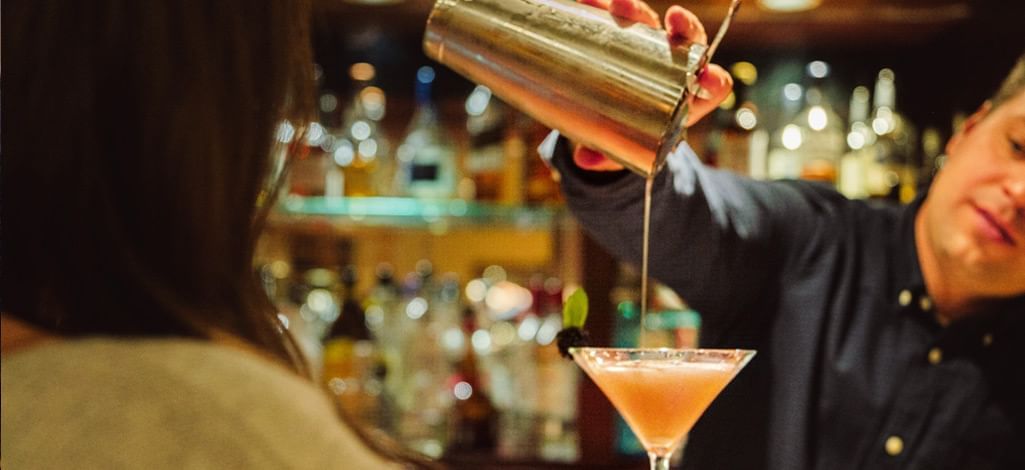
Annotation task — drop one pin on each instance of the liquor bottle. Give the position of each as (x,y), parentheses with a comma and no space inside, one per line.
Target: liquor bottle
(475,427)
(822,131)
(381,302)
(809,145)
(542,180)
(328,119)
(424,398)
(446,306)
(486,124)
(520,428)
(427,156)
(558,382)
(350,359)
(351,323)
(784,159)
(742,145)
(311,165)
(891,173)
(932,153)
(361,150)
(854,164)
(381,309)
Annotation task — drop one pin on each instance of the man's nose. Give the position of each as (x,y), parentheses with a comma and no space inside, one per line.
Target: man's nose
(1014,187)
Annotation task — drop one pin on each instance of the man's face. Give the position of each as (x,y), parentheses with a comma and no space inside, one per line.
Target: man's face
(974,217)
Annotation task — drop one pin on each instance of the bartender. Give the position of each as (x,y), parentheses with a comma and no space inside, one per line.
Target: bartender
(887,337)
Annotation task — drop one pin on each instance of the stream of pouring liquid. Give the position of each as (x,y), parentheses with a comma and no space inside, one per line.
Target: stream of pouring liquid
(650,180)
(648,184)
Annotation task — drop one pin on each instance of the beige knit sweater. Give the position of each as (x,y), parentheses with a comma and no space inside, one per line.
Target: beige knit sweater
(163,404)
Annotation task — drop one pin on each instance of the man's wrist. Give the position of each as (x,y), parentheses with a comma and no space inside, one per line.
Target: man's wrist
(557,152)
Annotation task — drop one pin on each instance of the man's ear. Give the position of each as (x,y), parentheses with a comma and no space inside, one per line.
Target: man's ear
(969,125)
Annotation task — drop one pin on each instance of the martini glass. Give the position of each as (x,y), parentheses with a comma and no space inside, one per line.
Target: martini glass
(661,392)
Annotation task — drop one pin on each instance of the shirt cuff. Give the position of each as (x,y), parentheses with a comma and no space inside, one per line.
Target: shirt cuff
(557,152)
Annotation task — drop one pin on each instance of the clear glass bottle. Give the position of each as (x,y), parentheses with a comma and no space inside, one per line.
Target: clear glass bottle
(812,142)
(424,396)
(853,181)
(891,173)
(784,159)
(823,135)
(427,156)
(382,301)
(381,311)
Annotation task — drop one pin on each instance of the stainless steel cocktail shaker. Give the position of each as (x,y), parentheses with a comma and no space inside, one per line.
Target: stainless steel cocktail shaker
(617,87)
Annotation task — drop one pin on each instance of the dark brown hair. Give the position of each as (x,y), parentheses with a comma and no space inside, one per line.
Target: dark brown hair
(1012,85)
(136,141)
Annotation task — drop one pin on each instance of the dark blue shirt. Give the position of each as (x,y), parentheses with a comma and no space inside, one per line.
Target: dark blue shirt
(853,371)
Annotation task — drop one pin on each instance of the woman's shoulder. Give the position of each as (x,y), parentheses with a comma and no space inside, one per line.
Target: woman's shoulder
(167,403)
(150,367)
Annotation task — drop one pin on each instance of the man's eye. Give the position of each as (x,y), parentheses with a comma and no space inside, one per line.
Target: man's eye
(1017,147)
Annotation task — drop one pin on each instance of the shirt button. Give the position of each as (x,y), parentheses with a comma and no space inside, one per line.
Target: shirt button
(904,298)
(987,339)
(925,303)
(894,446)
(935,356)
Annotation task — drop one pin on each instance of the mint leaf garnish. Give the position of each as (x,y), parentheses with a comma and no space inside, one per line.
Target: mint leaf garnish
(574,312)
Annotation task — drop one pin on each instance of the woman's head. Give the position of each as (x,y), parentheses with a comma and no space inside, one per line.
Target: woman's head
(136,140)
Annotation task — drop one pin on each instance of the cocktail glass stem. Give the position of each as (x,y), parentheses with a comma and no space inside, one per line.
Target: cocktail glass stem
(659,462)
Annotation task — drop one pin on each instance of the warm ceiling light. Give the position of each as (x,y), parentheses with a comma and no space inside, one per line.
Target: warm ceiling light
(789,5)
(362,72)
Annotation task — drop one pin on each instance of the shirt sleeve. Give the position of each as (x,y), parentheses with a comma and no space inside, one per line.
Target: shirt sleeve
(722,241)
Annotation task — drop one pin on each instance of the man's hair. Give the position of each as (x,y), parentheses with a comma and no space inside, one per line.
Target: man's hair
(1013,84)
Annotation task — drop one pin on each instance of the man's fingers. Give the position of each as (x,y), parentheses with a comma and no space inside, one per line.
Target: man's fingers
(593,160)
(716,84)
(634,10)
(683,26)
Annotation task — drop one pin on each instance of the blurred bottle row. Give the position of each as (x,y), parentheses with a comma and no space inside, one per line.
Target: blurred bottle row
(348,152)
(443,367)
(488,155)
(876,153)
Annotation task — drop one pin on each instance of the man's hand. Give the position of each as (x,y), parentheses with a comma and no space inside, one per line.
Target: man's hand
(681,27)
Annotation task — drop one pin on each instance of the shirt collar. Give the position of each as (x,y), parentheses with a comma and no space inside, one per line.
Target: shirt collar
(912,295)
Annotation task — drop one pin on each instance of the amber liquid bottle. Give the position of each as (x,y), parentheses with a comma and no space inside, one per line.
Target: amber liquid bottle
(350,358)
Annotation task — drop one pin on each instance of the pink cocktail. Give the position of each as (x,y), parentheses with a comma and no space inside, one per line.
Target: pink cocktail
(661,393)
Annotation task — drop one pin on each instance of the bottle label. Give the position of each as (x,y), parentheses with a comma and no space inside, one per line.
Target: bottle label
(427,172)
